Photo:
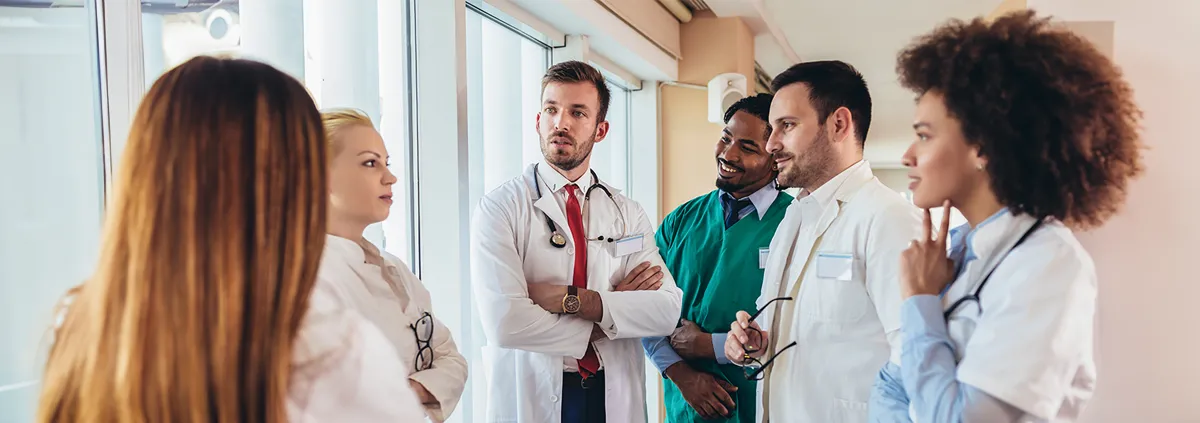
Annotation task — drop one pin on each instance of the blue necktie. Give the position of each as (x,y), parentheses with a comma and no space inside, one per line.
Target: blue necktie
(733,209)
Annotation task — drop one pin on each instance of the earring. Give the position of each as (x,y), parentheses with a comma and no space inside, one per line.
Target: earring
(979,167)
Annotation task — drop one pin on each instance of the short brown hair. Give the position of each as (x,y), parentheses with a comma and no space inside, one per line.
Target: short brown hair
(573,71)
(1053,116)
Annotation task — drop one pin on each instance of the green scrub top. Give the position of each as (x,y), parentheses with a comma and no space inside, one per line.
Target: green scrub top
(720,273)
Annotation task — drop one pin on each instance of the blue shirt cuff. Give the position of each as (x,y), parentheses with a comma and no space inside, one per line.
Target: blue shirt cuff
(719,347)
(660,352)
(921,315)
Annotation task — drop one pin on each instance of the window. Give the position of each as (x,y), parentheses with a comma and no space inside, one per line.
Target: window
(610,158)
(348,54)
(504,73)
(51,181)
(504,80)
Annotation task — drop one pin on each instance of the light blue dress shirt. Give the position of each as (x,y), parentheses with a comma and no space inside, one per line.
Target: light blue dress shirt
(928,366)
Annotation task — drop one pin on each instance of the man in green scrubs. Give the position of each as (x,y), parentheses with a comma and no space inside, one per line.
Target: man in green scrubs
(716,247)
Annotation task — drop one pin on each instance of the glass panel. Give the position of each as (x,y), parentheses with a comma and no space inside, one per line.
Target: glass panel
(51,180)
(616,144)
(349,54)
(504,77)
(510,67)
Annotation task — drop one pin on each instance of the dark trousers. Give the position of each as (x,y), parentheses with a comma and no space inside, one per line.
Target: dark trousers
(583,402)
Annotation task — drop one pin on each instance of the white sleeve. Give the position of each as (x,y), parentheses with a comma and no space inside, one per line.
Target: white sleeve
(448,376)
(1038,315)
(890,234)
(640,314)
(508,317)
(343,369)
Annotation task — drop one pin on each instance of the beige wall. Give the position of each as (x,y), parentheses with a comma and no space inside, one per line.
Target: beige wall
(1149,322)
(689,142)
(650,19)
(896,179)
(1007,6)
(711,46)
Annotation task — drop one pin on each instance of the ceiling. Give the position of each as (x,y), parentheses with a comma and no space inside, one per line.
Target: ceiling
(867,34)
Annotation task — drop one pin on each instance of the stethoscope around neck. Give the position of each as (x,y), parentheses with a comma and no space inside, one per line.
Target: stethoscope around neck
(556,238)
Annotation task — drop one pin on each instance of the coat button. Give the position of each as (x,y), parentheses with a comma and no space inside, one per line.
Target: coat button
(571,250)
(553,398)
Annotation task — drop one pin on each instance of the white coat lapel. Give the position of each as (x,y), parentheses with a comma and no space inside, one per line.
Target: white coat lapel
(549,206)
(808,240)
(1010,230)
(781,246)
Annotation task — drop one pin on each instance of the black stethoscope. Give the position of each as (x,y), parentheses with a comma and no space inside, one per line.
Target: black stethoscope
(974,297)
(556,237)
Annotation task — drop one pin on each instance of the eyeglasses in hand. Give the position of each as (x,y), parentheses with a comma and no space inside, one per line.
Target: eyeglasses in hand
(423,330)
(752,367)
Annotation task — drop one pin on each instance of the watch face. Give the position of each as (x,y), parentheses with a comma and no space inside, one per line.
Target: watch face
(571,304)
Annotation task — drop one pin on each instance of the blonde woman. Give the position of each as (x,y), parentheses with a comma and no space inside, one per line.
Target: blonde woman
(203,308)
(378,284)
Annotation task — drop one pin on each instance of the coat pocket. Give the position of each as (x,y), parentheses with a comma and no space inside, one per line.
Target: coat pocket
(837,301)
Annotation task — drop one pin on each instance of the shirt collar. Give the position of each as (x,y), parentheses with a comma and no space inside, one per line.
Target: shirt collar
(345,248)
(966,242)
(556,181)
(761,199)
(838,188)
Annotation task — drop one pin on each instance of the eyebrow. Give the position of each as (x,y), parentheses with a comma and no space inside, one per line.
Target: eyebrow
(783,118)
(920,125)
(741,140)
(370,152)
(577,106)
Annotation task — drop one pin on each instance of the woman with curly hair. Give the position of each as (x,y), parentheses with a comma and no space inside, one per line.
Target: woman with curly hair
(1029,131)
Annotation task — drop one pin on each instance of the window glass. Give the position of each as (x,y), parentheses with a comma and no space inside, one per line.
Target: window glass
(610,158)
(51,180)
(348,54)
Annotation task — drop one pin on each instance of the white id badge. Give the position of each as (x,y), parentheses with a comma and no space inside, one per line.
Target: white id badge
(763,253)
(835,266)
(629,245)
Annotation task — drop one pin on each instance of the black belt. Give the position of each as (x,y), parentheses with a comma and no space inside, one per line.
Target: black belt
(574,377)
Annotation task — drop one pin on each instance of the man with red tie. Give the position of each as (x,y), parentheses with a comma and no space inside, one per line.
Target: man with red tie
(566,275)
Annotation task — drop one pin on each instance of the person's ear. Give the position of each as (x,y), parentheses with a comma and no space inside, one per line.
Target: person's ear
(601,131)
(979,160)
(840,125)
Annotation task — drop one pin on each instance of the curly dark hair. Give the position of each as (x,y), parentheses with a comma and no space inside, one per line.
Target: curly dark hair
(758,105)
(1052,115)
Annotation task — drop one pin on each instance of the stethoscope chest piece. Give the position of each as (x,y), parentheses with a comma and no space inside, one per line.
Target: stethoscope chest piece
(557,240)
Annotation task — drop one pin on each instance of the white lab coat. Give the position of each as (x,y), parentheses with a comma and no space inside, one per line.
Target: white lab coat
(344,369)
(1032,347)
(362,286)
(846,328)
(523,361)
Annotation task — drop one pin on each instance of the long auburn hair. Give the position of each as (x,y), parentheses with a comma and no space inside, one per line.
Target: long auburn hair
(210,252)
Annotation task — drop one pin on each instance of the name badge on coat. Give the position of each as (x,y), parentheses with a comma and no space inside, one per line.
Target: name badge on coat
(629,245)
(835,266)
(763,253)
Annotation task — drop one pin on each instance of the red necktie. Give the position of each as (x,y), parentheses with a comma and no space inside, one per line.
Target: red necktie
(590,364)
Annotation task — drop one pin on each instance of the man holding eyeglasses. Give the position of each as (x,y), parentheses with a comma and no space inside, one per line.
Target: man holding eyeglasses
(828,315)
(716,245)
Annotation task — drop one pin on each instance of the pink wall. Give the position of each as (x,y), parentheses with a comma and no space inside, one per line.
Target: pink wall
(1149,328)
